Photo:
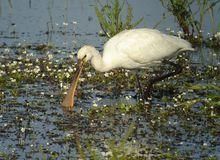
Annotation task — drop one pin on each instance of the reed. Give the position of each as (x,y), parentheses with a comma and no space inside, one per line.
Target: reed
(192,21)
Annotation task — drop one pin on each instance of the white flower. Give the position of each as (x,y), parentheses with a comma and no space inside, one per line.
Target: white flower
(128,97)
(36,69)
(22,130)
(48,68)
(95,105)
(67,75)
(81,79)
(19,58)
(65,23)
(2,73)
(61,84)
(98,99)
(24,51)
(71,56)
(205,144)
(29,64)
(74,22)
(106,74)
(50,56)
(217,35)
(14,63)
(89,74)
(180,33)
(31,54)
(7,50)
(13,80)
(70,69)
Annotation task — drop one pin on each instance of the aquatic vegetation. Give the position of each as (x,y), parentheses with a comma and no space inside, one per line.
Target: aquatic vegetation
(28,79)
(123,149)
(192,20)
(182,122)
(111,19)
(214,41)
(119,150)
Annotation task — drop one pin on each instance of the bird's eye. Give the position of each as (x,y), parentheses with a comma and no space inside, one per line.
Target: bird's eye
(84,57)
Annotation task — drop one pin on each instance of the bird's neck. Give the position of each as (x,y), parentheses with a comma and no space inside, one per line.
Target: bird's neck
(98,63)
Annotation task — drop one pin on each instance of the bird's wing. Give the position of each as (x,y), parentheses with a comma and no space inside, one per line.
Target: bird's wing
(145,46)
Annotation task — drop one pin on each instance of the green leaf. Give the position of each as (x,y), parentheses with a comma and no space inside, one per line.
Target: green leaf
(138,22)
(111,20)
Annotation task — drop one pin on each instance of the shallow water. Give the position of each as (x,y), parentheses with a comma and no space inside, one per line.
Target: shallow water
(182,123)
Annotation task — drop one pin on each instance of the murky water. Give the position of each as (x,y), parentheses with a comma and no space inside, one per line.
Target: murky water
(182,123)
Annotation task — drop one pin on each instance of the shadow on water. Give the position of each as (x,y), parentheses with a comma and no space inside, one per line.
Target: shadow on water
(36,67)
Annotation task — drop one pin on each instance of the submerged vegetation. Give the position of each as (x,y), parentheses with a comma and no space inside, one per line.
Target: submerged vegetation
(176,106)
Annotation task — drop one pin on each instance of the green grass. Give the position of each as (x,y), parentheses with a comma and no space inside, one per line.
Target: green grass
(116,149)
(111,17)
(116,16)
(191,19)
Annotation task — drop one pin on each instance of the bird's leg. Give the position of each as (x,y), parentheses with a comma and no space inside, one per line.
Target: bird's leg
(178,69)
(149,89)
(140,87)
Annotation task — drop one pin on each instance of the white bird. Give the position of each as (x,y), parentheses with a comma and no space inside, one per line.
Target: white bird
(129,49)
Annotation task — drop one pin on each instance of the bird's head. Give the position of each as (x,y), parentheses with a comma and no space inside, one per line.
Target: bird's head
(86,53)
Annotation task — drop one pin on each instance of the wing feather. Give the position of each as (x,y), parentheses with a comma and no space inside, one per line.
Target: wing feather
(145,46)
(140,47)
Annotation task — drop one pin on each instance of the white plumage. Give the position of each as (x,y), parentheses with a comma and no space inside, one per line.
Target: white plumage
(135,48)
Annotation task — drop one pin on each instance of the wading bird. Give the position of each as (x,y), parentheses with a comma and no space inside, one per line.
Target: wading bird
(129,49)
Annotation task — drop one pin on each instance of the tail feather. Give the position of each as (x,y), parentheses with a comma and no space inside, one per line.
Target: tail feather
(183,44)
(187,49)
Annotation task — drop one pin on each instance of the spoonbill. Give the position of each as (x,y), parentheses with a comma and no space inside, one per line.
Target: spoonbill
(129,49)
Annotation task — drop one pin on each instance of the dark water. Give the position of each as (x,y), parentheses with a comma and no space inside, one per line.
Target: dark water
(32,122)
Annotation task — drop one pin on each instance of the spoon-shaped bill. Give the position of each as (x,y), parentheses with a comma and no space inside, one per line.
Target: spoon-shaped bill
(69,98)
